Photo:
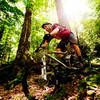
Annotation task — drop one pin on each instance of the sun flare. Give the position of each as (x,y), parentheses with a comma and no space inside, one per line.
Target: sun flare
(75,9)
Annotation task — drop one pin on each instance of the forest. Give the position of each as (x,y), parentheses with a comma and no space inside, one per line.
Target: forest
(28,73)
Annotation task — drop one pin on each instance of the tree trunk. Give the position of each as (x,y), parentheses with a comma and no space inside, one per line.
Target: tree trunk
(62,17)
(23,57)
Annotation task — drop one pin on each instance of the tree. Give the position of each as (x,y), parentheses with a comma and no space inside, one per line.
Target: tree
(23,54)
(24,61)
(62,17)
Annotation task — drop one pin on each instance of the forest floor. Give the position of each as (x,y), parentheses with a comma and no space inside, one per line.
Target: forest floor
(39,89)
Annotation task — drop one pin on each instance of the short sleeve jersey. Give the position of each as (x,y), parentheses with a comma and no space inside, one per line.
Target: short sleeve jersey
(63,32)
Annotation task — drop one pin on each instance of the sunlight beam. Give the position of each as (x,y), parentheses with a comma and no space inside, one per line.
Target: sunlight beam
(75,9)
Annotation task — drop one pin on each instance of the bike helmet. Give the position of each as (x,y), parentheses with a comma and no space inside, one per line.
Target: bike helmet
(46,23)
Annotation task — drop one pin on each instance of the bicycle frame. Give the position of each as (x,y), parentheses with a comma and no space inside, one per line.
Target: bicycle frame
(43,69)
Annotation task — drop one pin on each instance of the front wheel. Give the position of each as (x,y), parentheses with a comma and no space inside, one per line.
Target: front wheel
(73,61)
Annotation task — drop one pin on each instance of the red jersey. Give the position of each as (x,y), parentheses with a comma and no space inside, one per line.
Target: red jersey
(63,32)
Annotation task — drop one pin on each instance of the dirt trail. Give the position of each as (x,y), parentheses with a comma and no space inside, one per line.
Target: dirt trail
(40,89)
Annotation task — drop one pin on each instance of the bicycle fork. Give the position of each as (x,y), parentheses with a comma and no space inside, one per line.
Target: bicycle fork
(43,69)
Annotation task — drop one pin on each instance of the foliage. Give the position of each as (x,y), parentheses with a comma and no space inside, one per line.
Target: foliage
(13,1)
(9,10)
(91,31)
(96,49)
(91,82)
(6,72)
(60,93)
(14,82)
(11,20)
(91,35)
(9,30)
(8,44)
(30,4)
(85,49)
(40,15)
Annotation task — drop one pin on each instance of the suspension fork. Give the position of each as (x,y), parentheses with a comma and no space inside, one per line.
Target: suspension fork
(43,69)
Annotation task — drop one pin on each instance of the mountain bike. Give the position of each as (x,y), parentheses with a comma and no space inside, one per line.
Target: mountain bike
(68,69)
(70,64)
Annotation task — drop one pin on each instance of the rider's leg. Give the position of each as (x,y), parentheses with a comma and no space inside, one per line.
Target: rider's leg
(76,48)
(62,48)
(78,52)
(59,50)
(61,56)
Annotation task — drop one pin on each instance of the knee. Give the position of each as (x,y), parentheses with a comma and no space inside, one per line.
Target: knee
(59,50)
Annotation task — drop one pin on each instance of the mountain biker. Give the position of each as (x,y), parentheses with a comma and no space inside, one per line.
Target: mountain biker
(65,35)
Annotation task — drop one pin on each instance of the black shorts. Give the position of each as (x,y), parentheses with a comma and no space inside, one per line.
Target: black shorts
(63,43)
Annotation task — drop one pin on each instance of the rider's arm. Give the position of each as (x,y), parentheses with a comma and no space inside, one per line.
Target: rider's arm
(54,32)
(44,45)
(46,40)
